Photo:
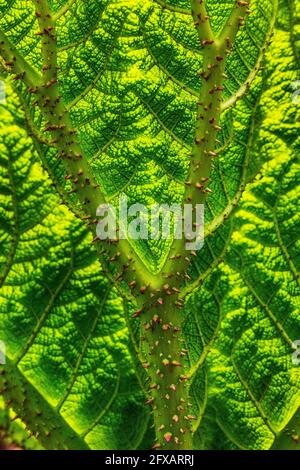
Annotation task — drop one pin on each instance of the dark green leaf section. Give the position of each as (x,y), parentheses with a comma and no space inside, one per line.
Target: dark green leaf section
(62,322)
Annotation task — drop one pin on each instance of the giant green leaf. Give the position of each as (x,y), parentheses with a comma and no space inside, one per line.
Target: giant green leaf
(128,76)
(134,111)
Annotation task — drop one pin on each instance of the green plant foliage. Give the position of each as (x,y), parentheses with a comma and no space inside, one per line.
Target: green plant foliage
(109,95)
(62,322)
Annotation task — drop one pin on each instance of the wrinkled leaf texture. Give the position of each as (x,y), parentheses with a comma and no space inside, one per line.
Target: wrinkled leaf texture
(129,78)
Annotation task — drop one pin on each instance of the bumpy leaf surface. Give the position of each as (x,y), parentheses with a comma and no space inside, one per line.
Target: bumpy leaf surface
(129,76)
(62,322)
(252,383)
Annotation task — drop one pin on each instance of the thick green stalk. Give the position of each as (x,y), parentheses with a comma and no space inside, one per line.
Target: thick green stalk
(207,124)
(168,389)
(201,20)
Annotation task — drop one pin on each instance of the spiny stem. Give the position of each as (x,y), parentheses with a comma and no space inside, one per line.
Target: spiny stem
(207,125)
(58,120)
(16,64)
(201,21)
(168,385)
(170,410)
(215,51)
(235,20)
